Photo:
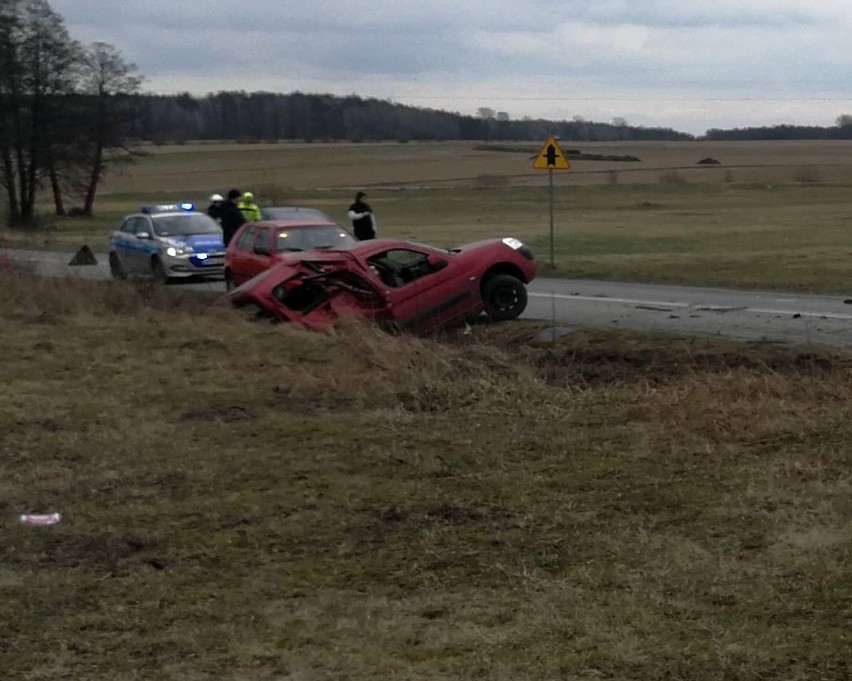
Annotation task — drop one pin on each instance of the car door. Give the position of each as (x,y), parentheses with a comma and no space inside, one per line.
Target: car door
(241,254)
(446,293)
(424,290)
(143,246)
(259,258)
(124,242)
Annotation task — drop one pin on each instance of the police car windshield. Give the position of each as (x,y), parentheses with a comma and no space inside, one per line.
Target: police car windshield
(184,225)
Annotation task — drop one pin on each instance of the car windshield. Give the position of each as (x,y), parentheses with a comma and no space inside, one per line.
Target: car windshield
(293,213)
(304,237)
(184,225)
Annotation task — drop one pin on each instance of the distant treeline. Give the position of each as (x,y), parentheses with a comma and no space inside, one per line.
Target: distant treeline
(266,116)
(259,116)
(841,131)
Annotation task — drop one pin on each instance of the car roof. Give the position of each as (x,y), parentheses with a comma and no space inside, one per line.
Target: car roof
(163,214)
(174,213)
(303,222)
(295,209)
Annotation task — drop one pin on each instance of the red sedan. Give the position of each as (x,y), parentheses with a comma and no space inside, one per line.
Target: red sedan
(400,284)
(257,246)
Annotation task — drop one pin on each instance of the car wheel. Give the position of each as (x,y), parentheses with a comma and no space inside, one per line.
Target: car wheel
(505,297)
(116,269)
(229,281)
(158,270)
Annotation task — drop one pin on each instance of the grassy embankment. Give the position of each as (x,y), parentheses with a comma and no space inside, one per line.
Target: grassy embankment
(252,502)
(771,215)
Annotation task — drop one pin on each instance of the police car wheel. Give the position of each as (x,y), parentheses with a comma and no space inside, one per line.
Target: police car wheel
(158,270)
(116,269)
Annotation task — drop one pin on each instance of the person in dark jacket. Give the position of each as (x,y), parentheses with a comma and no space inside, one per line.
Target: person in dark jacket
(363,220)
(231,217)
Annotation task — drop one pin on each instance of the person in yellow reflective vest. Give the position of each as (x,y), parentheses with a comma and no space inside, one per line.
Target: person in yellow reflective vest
(249,208)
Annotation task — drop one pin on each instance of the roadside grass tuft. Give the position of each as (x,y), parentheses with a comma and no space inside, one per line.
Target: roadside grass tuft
(247,501)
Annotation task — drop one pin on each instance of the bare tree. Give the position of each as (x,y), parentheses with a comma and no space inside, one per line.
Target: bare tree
(36,70)
(108,84)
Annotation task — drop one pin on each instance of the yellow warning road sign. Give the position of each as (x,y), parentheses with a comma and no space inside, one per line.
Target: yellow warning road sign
(551,157)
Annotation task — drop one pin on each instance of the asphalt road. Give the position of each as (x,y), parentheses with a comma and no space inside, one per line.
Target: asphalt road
(751,316)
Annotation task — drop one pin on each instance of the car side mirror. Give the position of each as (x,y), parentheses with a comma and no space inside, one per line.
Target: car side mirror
(143,235)
(435,263)
(260,249)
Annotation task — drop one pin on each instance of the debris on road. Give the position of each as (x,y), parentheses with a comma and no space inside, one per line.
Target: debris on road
(654,308)
(40,518)
(722,308)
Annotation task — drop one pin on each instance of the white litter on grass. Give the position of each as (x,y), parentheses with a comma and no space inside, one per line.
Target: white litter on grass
(40,518)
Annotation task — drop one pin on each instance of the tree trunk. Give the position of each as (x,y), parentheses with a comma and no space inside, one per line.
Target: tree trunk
(57,190)
(97,162)
(88,206)
(22,176)
(14,215)
(26,214)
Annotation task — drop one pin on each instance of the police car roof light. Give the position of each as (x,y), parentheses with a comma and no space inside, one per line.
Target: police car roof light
(162,208)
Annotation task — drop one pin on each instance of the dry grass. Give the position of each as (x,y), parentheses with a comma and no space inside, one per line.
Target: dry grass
(770,215)
(245,501)
(451,165)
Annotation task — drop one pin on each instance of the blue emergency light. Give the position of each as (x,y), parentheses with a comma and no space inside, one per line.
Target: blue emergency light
(183,205)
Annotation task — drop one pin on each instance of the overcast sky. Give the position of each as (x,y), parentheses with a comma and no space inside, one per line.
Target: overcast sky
(686,64)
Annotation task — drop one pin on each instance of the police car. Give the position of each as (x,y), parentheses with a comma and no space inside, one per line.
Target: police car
(166,242)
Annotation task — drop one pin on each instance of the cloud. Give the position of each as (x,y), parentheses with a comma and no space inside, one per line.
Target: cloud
(664,58)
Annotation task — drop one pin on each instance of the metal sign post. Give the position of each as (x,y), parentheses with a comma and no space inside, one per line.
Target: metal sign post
(552,256)
(551,158)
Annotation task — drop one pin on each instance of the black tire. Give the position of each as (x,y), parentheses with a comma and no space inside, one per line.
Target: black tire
(505,297)
(116,269)
(158,271)
(229,281)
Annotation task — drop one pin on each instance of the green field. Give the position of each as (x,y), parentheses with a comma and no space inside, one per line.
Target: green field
(770,215)
(243,501)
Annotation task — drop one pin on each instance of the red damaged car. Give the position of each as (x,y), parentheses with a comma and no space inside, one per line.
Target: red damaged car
(399,284)
(257,246)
